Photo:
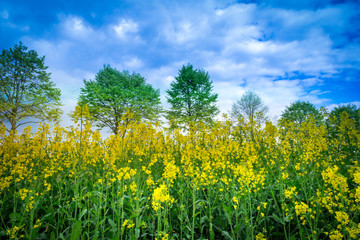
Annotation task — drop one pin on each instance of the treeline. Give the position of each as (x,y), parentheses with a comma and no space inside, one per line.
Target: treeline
(117,98)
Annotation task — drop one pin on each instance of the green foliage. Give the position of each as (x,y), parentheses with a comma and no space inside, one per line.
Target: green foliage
(115,98)
(352,111)
(26,93)
(248,105)
(191,97)
(76,230)
(300,111)
(342,122)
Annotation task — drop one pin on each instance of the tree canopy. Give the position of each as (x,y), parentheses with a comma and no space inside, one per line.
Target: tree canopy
(300,111)
(248,105)
(352,111)
(26,93)
(342,120)
(115,98)
(191,97)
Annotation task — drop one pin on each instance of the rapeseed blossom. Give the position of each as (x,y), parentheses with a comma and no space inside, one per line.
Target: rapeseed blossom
(289,192)
(249,180)
(342,217)
(128,224)
(37,224)
(161,195)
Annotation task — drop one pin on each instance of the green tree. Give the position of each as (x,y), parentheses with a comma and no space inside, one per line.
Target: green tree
(300,111)
(248,105)
(342,119)
(191,97)
(352,111)
(26,93)
(116,98)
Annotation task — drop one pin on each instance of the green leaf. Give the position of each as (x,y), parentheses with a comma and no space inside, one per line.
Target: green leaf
(212,235)
(277,218)
(111,222)
(52,236)
(76,230)
(137,233)
(203,219)
(228,210)
(82,213)
(226,234)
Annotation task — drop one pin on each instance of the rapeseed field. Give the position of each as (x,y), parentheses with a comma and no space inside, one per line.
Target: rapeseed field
(242,180)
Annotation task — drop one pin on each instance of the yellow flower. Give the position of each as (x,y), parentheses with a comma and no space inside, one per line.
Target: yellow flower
(37,224)
(150,181)
(342,217)
(260,236)
(284,175)
(12,233)
(161,195)
(133,187)
(125,223)
(289,192)
(128,224)
(23,193)
(301,208)
(336,235)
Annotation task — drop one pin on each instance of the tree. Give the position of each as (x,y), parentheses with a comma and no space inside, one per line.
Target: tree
(352,111)
(248,105)
(26,93)
(191,97)
(342,119)
(115,98)
(300,111)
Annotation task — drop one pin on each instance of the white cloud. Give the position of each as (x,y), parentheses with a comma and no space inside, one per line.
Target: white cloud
(189,32)
(55,53)
(238,14)
(219,12)
(76,27)
(125,27)
(228,93)
(226,70)
(179,32)
(134,63)
(130,63)
(162,76)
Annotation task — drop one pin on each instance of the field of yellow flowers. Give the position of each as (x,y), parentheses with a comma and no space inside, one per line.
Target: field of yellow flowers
(227,181)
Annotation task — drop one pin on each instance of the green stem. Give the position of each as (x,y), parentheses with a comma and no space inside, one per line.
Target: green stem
(193,213)
(250,213)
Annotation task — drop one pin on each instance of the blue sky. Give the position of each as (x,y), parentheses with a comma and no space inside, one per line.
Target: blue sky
(285,51)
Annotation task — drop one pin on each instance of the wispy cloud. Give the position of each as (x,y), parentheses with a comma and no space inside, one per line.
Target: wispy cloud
(125,27)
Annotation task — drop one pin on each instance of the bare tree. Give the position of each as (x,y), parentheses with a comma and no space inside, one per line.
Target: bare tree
(248,105)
